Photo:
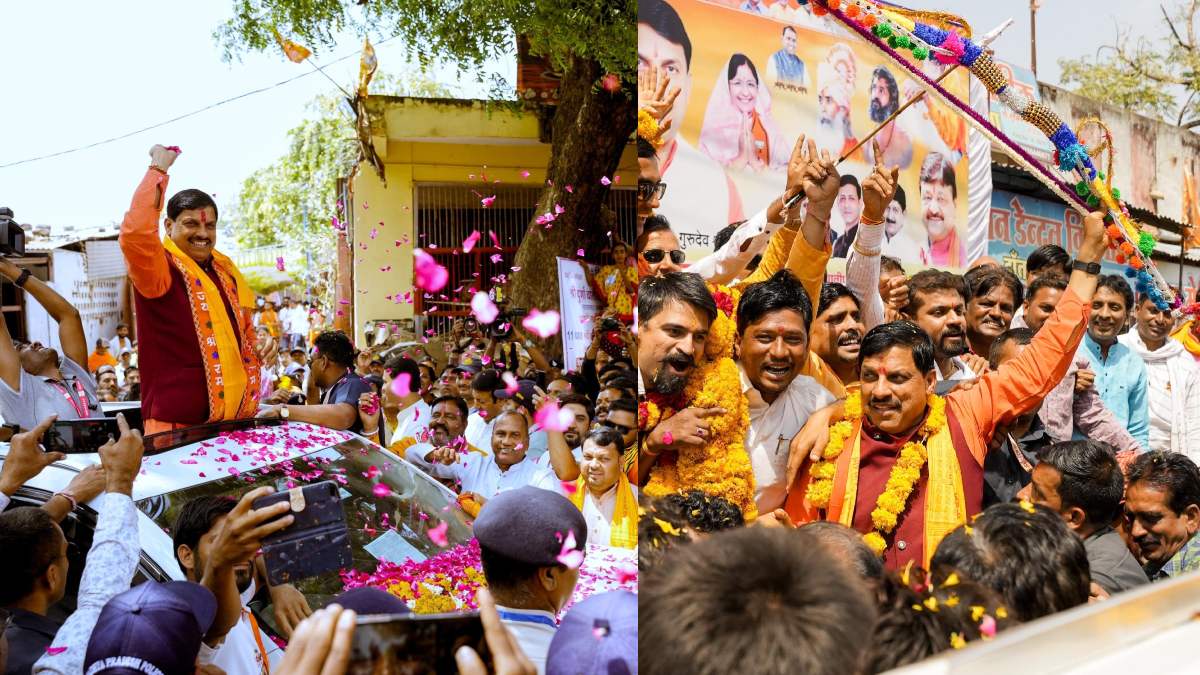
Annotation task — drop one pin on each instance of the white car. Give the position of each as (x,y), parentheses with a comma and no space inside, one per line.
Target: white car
(231,458)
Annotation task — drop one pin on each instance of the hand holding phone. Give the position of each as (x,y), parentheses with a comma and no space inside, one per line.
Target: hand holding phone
(314,542)
(414,644)
(80,436)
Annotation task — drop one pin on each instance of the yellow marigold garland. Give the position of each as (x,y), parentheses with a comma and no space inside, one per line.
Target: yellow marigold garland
(903,477)
(649,129)
(722,468)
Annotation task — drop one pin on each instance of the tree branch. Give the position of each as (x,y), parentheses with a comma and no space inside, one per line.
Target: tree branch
(1192,124)
(1175,32)
(1184,109)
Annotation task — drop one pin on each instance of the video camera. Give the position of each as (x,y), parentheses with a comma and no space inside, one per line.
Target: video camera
(12,236)
(501,328)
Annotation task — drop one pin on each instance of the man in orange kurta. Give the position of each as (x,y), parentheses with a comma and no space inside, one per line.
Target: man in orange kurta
(897,374)
(196,338)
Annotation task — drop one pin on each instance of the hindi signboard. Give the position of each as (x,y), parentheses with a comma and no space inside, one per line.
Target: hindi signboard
(577,307)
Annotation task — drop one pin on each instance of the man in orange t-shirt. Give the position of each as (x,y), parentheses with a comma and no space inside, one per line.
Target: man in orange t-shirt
(100,357)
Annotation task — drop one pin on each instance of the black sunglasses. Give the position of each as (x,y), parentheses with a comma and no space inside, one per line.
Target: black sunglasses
(617,427)
(655,256)
(647,190)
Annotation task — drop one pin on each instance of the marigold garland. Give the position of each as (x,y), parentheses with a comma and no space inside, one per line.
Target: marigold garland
(649,129)
(903,477)
(722,468)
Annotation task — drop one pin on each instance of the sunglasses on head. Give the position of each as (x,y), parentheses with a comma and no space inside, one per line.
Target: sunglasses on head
(656,255)
(617,427)
(647,190)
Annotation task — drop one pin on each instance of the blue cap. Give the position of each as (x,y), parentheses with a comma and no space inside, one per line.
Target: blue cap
(367,601)
(529,525)
(151,628)
(597,637)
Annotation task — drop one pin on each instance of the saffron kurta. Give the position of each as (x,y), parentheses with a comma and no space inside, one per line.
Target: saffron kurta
(973,415)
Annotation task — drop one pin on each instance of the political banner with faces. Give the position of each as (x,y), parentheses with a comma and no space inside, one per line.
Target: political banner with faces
(753,78)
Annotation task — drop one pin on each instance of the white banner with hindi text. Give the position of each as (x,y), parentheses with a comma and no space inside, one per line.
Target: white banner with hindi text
(578,308)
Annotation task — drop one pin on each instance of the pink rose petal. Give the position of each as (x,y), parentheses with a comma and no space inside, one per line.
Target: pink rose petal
(438,534)
(569,487)
(279,263)
(543,324)
(469,242)
(627,573)
(605,181)
(668,439)
(524,174)
(569,555)
(987,627)
(402,385)
(487,201)
(429,275)
(483,308)
(552,418)
(381,490)
(54,651)
(510,382)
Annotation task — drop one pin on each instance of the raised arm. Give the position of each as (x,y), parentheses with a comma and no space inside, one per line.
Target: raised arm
(1020,383)
(140,243)
(70,324)
(10,359)
(862,265)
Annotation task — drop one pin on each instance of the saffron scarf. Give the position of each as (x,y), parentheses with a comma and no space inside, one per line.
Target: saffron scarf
(231,367)
(623,531)
(1185,335)
(945,502)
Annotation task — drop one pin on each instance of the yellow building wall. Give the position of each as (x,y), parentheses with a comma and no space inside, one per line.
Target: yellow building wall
(468,140)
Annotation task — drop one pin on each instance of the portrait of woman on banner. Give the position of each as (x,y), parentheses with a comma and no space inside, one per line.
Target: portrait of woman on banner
(738,129)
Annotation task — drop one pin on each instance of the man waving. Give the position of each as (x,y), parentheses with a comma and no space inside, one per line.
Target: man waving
(196,341)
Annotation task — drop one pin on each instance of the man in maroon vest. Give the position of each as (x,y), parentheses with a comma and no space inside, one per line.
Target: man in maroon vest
(195,336)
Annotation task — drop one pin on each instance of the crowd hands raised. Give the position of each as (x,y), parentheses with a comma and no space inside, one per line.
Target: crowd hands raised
(938,455)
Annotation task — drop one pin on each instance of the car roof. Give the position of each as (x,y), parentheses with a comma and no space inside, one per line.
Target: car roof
(227,454)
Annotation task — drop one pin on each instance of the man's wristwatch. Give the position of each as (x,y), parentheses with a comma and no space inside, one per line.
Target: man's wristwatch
(283,411)
(1092,268)
(19,282)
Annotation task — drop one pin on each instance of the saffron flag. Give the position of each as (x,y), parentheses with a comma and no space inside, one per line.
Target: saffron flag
(366,67)
(295,53)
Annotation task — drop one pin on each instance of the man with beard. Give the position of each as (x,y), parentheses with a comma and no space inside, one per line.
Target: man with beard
(939,213)
(564,452)
(894,143)
(772,341)
(37,381)
(837,331)
(1174,387)
(938,305)
(622,418)
(447,423)
(1162,506)
(1074,403)
(897,365)
(1121,376)
(504,469)
(333,382)
(835,89)
(850,208)
(215,540)
(995,294)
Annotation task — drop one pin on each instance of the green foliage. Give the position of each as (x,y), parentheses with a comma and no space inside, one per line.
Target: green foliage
(294,200)
(1145,75)
(1114,82)
(466,33)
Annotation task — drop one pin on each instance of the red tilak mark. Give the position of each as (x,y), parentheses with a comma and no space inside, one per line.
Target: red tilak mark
(203,217)
(882,371)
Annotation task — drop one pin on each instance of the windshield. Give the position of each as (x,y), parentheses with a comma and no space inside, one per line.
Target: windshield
(391,527)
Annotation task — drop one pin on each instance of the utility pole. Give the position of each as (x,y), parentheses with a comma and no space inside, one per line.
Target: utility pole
(1033,8)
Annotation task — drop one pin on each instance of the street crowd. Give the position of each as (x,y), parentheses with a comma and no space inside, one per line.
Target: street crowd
(537,454)
(848,478)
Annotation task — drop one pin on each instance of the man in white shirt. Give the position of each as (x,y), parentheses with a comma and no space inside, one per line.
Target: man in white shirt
(121,341)
(402,416)
(938,304)
(215,540)
(447,420)
(483,392)
(1172,371)
(506,468)
(603,492)
(531,543)
(773,319)
(523,401)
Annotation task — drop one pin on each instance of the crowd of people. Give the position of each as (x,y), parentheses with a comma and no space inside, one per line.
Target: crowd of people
(537,454)
(854,477)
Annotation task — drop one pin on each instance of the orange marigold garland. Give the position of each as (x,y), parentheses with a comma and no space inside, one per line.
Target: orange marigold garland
(721,468)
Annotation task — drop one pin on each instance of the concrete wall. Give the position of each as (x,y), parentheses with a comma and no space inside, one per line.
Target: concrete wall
(1150,155)
(431,141)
